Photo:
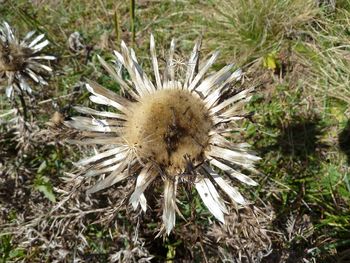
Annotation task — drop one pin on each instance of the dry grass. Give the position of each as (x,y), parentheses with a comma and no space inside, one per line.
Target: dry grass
(299,126)
(251,29)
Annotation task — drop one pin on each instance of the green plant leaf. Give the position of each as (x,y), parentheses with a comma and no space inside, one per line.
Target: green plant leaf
(43,184)
(270,61)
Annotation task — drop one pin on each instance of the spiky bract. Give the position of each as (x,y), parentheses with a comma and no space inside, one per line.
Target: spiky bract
(173,129)
(20,60)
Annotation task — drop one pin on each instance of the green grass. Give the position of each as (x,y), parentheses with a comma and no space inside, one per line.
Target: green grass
(294,51)
(249,30)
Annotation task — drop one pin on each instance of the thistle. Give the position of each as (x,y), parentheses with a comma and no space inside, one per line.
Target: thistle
(20,60)
(173,129)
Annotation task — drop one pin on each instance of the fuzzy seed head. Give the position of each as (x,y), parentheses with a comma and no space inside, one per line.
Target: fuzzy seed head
(169,127)
(13,57)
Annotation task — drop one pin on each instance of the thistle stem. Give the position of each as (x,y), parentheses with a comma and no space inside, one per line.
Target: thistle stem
(132,21)
(117,26)
(24,106)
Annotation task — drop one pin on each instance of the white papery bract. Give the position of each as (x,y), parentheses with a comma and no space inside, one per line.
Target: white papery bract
(21,60)
(174,129)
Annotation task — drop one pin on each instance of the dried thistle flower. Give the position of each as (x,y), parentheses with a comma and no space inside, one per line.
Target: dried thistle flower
(75,42)
(21,59)
(171,130)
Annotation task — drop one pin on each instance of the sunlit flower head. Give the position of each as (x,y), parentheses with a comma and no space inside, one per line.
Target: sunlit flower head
(174,129)
(21,60)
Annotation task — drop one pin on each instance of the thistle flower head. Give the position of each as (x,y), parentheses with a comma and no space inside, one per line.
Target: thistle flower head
(172,129)
(20,60)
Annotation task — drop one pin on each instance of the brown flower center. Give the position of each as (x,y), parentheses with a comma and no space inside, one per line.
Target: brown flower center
(169,127)
(13,57)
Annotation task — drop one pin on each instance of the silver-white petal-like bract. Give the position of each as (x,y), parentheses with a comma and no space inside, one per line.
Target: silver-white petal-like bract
(220,159)
(22,59)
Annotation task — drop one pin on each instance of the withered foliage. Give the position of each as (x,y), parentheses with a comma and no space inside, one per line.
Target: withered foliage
(246,236)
